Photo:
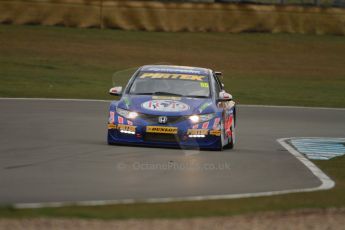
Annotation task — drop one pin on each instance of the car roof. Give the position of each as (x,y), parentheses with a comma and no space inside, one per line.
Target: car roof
(175,69)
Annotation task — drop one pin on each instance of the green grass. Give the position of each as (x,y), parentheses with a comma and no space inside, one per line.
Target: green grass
(322,199)
(275,69)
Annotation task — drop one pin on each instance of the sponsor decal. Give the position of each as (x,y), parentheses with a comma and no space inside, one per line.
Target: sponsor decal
(173,76)
(195,126)
(197,132)
(129,122)
(216,123)
(205,125)
(215,132)
(185,69)
(111,116)
(111,126)
(165,105)
(204,106)
(126,127)
(228,124)
(120,120)
(161,129)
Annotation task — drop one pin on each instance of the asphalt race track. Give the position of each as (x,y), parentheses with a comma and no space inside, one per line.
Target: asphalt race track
(55,151)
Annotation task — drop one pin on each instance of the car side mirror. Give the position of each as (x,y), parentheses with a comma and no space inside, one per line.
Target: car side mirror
(224,96)
(116,91)
(219,74)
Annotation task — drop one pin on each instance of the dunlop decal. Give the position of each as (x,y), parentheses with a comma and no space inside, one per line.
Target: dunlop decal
(161,129)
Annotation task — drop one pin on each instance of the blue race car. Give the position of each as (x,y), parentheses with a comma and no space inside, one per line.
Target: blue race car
(173,106)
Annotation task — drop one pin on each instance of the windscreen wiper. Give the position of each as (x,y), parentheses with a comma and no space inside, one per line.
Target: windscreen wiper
(142,93)
(197,96)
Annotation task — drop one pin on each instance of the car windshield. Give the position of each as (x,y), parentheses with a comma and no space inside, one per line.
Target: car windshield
(185,85)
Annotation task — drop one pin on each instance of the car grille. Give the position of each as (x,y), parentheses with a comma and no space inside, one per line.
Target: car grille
(154,118)
(161,137)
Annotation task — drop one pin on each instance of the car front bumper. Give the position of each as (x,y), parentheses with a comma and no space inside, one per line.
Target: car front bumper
(164,137)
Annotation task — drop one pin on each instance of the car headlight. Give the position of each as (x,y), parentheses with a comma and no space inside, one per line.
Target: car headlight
(201,118)
(127,114)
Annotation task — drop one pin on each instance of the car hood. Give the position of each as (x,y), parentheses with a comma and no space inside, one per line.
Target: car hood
(166,105)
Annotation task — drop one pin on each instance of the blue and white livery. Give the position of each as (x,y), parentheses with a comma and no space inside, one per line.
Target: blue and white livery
(173,106)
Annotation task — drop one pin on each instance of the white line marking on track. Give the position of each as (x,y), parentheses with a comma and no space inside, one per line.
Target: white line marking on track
(326,183)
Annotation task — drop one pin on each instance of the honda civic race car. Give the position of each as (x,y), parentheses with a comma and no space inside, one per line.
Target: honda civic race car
(173,106)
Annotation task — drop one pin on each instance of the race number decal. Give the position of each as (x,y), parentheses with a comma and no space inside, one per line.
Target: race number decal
(204,84)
